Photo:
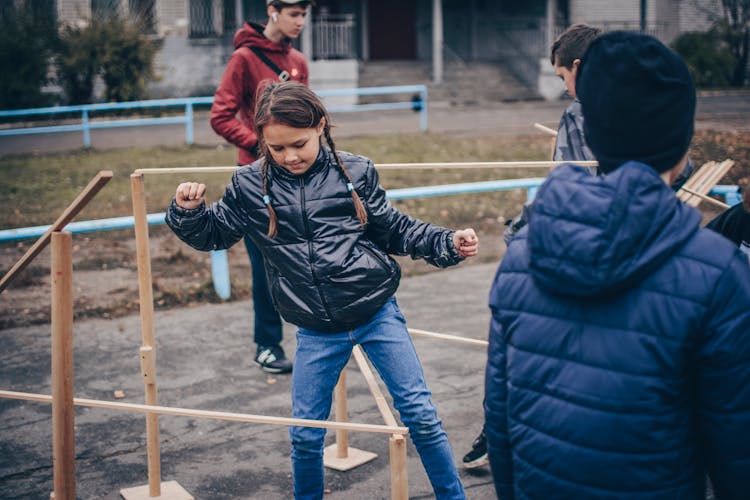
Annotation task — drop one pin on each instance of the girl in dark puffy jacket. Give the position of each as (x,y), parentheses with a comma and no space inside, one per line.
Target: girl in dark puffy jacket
(325,228)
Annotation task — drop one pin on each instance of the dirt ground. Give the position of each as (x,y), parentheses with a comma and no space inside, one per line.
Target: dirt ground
(105,271)
(105,283)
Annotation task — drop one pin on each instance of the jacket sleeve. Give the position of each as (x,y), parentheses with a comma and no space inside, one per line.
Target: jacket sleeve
(517,223)
(399,234)
(496,412)
(216,227)
(228,100)
(570,144)
(723,392)
(561,142)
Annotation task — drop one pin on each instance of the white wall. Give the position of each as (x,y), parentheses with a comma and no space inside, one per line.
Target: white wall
(593,11)
(342,74)
(73,12)
(172,17)
(188,67)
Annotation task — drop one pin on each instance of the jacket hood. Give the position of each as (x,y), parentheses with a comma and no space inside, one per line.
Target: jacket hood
(251,34)
(596,235)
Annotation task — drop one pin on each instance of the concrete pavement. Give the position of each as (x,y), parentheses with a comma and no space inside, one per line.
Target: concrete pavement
(205,362)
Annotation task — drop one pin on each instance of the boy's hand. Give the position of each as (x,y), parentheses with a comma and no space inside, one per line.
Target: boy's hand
(466,242)
(189,195)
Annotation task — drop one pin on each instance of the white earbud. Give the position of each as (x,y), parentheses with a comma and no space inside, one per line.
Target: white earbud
(274,17)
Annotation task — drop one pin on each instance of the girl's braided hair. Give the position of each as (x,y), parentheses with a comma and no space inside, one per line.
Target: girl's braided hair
(294,105)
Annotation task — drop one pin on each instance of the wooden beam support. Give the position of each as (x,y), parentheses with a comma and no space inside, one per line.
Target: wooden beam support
(63,414)
(218,415)
(148,346)
(93,187)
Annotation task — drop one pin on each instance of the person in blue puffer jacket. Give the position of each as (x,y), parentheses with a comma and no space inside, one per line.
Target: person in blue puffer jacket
(619,357)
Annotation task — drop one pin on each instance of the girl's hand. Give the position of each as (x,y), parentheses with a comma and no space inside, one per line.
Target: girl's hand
(466,242)
(189,195)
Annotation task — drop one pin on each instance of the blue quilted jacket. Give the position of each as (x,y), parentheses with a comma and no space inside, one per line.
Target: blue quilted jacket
(619,358)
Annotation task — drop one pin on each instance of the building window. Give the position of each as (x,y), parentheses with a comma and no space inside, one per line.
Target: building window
(143,13)
(105,9)
(230,17)
(201,19)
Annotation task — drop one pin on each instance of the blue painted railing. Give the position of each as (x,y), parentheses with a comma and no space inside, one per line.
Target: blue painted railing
(417,102)
(219,262)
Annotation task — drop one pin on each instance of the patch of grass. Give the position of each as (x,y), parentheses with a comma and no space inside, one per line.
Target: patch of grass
(37,188)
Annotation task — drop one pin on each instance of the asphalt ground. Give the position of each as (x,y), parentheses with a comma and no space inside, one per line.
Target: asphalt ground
(204,361)
(204,357)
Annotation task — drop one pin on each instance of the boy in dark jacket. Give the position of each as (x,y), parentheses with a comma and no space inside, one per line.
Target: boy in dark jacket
(734,223)
(619,350)
(261,53)
(566,55)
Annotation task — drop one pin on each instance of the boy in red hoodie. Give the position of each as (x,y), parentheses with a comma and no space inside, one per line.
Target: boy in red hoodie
(261,53)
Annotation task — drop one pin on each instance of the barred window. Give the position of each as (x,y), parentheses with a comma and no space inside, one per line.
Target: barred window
(230,17)
(104,9)
(201,19)
(143,13)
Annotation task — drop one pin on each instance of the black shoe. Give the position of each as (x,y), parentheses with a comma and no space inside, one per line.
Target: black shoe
(272,360)
(477,457)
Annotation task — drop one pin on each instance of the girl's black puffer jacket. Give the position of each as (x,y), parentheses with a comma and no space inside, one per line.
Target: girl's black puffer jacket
(325,271)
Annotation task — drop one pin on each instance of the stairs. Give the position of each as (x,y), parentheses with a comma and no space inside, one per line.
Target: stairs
(464,84)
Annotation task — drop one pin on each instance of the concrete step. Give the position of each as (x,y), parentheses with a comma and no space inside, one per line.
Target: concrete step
(463,84)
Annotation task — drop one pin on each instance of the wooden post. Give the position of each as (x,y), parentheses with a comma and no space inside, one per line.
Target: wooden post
(167,489)
(340,456)
(63,416)
(399,474)
(339,397)
(148,349)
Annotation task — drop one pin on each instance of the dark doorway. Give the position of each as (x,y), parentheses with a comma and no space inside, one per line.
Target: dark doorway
(393,29)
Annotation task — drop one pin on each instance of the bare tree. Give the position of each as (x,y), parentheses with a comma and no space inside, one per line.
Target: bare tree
(731,19)
(736,26)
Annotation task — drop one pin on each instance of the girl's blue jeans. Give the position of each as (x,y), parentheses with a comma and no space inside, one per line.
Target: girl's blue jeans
(318,362)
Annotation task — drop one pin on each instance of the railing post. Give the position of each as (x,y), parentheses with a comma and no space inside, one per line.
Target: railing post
(531,193)
(189,123)
(732,198)
(86,128)
(220,274)
(63,416)
(423,111)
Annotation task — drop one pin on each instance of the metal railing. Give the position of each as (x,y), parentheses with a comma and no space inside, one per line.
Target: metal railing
(87,125)
(524,43)
(334,37)
(219,260)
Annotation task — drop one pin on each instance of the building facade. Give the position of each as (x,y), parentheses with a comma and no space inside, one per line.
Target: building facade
(195,36)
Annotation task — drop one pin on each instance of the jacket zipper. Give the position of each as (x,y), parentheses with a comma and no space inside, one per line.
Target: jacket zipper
(308,234)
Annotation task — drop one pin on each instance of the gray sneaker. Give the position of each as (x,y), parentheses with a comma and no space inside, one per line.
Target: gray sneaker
(272,360)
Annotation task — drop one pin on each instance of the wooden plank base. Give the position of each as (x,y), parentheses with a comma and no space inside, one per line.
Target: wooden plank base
(170,490)
(355,457)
